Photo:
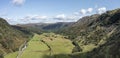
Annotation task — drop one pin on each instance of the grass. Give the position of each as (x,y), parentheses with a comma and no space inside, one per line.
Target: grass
(35,48)
(38,49)
(11,55)
(59,45)
(87,48)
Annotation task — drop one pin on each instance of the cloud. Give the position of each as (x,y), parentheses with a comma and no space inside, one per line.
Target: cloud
(12,21)
(86,11)
(60,17)
(65,18)
(44,19)
(35,17)
(101,10)
(57,18)
(41,17)
(83,11)
(18,2)
(89,10)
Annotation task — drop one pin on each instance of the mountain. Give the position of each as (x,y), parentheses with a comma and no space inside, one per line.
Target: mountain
(75,29)
(11,38)
(56,26)
(96,36)
(45,27)
(32,27)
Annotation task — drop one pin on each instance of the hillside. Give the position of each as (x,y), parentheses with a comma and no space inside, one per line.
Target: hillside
(45,27)
(97,36)
(10,38)
(33,27)
(57,26)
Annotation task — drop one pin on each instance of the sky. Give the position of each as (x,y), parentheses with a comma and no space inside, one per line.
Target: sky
(51,11)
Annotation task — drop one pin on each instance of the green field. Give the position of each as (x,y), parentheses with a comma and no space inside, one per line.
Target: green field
(47,45)
(11,55)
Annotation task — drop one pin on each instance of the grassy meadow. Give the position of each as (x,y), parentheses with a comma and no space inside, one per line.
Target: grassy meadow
(47,45)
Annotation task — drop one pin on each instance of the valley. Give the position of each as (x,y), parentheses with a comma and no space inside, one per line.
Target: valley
(46,45)
(95,36)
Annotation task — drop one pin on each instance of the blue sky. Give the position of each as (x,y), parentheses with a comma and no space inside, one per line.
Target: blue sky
(49,11)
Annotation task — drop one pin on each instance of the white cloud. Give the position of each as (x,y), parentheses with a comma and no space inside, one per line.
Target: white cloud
(60,17)
(89,10)
(12,21)
(65,18)
(41,17)
(38,17)
(83,11)
(18,2)
(44,19)
(101,10)
(33,19)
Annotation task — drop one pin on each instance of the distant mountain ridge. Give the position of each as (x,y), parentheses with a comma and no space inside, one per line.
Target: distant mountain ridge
(43,27)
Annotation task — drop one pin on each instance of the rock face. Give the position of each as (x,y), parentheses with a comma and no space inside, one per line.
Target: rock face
(98,35)
(10,38)
(111,47)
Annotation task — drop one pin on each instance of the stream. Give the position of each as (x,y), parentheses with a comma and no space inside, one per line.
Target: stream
(21,49)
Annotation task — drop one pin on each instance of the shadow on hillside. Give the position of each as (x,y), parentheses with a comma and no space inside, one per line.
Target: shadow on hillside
(1,56)
(57,56)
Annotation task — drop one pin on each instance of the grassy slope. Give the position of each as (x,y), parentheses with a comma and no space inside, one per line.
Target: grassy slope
(98,38)
(38,49)
(10,38)
(11,55)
